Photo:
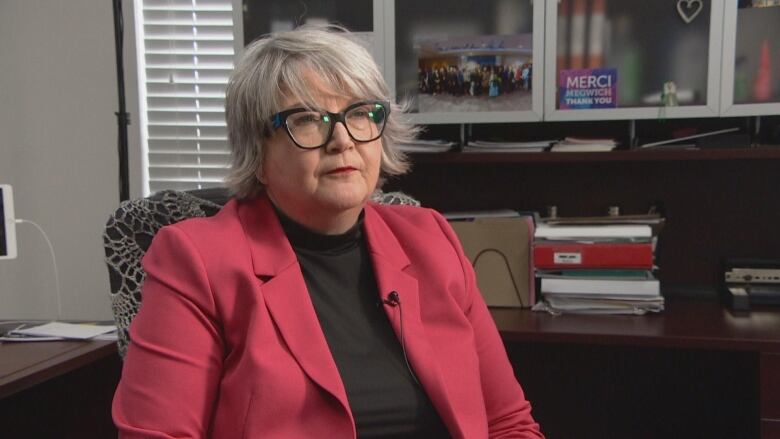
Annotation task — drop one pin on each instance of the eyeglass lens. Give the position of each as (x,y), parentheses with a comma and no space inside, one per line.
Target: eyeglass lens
(311,129)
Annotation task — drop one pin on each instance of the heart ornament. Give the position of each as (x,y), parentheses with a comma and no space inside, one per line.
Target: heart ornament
(689,9)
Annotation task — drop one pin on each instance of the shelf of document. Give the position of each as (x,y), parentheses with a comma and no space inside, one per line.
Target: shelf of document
(757,153)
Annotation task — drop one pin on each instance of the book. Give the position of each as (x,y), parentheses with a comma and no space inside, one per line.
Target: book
(574,232)
(611,298)
(565,255)
(647,218)
(600,273)
(564,304)
(426,146)
(575,144)
(474,214)
(624,287)
(561,147)
(491,144)
(588,141)
(486,146)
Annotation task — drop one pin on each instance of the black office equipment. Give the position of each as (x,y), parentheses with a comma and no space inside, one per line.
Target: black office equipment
(749,282)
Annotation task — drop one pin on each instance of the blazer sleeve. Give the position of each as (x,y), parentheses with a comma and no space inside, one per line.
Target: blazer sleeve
(171,372)
(508,412)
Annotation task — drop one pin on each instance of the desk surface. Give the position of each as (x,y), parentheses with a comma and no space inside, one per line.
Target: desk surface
(23,365)
(684,324)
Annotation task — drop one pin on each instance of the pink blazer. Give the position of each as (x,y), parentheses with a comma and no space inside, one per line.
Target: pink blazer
(227,343)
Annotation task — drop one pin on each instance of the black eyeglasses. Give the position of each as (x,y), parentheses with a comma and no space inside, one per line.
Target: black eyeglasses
(365,121)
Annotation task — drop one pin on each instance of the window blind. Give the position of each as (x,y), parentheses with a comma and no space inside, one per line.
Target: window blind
(186,48)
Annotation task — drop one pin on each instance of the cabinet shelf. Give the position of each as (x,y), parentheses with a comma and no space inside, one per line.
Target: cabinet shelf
(715,199)
(757,153)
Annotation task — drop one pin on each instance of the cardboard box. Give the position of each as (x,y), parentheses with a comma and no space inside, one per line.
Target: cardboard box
(500,252)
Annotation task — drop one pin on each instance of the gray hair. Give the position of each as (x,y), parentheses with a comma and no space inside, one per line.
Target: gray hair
(275,66)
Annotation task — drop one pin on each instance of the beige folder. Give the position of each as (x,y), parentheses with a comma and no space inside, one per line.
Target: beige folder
(500,252)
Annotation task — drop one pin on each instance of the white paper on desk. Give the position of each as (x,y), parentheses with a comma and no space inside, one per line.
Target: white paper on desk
(109,336)
(67,330)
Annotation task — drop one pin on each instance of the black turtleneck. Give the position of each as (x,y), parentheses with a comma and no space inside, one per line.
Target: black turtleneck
(384,398)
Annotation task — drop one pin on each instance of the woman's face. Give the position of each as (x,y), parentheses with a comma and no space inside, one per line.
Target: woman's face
(324,189)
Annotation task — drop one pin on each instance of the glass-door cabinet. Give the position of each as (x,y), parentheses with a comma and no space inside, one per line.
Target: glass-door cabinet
(632,59)
(751,58)
(363,18)
(467,62)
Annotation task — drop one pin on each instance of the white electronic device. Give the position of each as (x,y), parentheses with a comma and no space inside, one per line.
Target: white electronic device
(8,226)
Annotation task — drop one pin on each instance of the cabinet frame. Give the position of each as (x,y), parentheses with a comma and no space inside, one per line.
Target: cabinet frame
(710,109)
(728,107)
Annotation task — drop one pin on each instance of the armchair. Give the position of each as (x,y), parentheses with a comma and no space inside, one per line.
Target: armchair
(130,229)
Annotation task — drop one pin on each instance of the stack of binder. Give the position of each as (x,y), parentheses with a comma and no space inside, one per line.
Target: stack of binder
(603,268)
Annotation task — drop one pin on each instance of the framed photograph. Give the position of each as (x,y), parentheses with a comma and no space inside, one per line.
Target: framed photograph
(476,73)
(8,229)
(467,62)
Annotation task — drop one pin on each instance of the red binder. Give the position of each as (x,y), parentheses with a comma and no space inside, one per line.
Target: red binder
(551,255)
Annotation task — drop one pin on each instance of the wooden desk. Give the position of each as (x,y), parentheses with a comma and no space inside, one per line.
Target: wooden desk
(696,370)
(58,389)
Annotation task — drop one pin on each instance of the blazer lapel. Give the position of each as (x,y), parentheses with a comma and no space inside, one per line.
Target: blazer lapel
(287,297)
(390,262)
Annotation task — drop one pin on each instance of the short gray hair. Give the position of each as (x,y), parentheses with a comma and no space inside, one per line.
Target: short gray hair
(275,66)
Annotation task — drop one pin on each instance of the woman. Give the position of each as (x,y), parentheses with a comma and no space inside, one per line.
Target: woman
(301,310)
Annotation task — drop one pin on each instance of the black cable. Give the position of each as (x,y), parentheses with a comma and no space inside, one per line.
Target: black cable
(403,345)
(395,301)
(123,118)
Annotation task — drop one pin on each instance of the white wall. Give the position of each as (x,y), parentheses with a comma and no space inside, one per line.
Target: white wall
(58,136)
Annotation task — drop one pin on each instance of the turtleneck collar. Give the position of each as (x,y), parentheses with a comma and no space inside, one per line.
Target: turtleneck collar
(301,237)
